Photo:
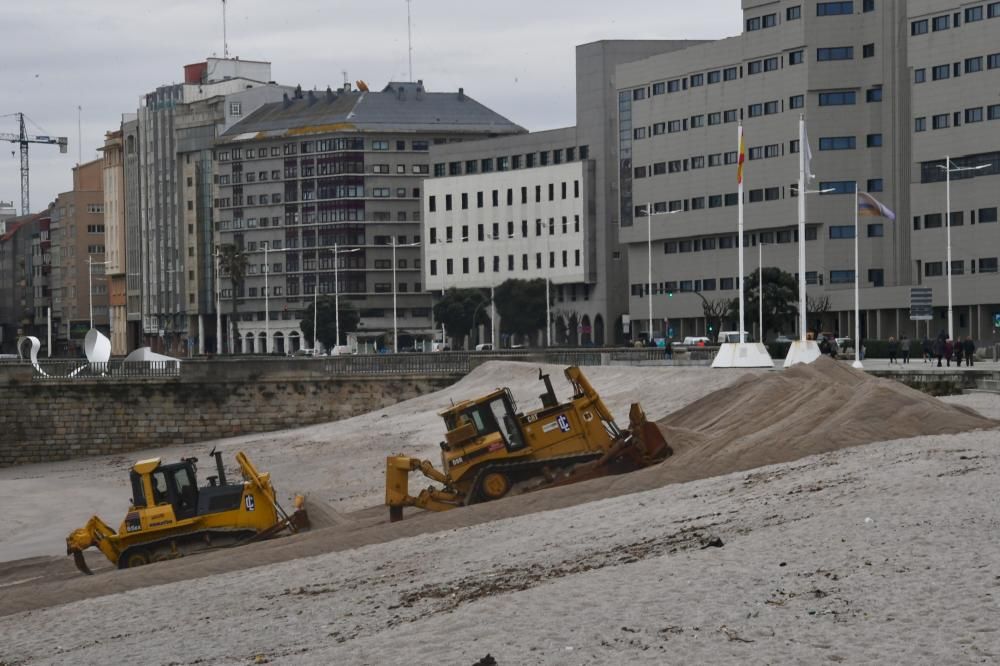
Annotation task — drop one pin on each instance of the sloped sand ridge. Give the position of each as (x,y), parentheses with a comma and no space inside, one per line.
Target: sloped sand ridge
(807,409)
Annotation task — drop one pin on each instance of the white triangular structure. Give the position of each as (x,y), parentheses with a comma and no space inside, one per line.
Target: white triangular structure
(147,354)
(742,355)
(802,351)
(97,347)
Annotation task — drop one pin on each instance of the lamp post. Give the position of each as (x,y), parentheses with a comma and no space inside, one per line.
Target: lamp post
(90,285)
(649,258)
(395,341)
(218,305)
(760,290)
(336,298)
(948,169)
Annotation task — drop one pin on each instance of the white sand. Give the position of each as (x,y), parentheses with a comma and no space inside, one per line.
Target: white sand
(891,554)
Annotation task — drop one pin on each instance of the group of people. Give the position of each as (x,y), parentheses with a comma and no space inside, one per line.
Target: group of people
(901,347)
(944,348)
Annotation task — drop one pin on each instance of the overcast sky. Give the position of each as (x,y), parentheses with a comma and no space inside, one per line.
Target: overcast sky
(517,56)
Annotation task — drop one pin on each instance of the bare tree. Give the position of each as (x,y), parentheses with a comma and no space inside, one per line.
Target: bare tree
(816,306)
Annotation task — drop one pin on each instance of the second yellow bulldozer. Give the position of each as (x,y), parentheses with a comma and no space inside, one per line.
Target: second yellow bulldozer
(170,516)
(492,450)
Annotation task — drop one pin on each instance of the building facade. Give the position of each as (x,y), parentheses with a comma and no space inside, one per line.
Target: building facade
(524,235)
(171,320)
(114,240)
(20,273)
(336,176)
(848,68)
(79,284)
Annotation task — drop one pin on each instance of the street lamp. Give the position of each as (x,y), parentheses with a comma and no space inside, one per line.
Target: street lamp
(90,284)
(267,308)
(336,298)
(948,169)
(760,290)
(218,304)
(649,259)
(395,341)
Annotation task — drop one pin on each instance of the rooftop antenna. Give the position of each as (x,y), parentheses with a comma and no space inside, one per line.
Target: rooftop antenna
(344,72)
(225,41)
(409,38)
(79,135)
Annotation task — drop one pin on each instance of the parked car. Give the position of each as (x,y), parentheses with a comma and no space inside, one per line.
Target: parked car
(696,341)
(784,339)
(484,346)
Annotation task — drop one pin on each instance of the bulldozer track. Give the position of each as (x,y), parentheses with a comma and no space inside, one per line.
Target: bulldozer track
(183,541)
(516,470)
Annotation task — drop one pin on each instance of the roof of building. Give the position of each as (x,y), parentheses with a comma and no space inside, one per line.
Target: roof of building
(399,107)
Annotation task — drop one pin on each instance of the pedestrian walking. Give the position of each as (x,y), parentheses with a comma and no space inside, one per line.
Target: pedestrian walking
(927,348)
(893,348)
(937,350)
(904,348)
(949,350)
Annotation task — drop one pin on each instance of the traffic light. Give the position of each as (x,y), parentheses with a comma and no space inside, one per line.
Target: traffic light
(711,328)
(670,294)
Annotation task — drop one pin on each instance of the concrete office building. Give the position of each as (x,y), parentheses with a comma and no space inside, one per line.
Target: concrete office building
(337,169)
(114,240)
(849,68)
(176,125)
(541,205)
(132,220)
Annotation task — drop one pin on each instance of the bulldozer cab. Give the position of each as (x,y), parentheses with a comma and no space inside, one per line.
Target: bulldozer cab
(175,484)
(496,413)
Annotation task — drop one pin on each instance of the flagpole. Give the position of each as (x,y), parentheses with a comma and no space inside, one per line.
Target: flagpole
(739,140)
(857,283)
(803,147)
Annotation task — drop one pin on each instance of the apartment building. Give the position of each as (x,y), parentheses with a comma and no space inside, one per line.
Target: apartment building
(114,240)
(337,176)
(850,69)
(20,270)
(541,205)
(175,128)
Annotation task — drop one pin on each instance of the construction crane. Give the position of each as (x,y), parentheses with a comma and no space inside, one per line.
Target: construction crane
(23,138)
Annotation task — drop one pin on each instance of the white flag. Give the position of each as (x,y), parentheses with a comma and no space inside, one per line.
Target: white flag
(809,153)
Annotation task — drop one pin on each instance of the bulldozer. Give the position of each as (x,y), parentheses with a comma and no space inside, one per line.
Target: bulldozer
(491,450)
(170,516)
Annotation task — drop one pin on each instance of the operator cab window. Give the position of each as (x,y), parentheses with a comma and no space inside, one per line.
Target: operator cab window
(186,493)
(506,424)
(159,488)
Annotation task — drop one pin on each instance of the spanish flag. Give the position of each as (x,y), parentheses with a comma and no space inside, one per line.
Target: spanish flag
(739,167)
(869,206)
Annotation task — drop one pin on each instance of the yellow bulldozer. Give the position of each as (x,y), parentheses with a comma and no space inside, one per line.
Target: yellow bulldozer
(492,450)
(170,516)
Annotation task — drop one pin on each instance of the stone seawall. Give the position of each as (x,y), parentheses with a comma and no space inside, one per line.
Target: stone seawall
(41,422)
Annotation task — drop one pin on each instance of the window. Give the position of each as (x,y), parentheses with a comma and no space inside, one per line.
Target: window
(770,108)
(659,88)
(838,187)
(841,277)
(659,128)
(674,86)
(697,80)
(715,201)
(753,24)
(993,10)
(919,75)
(939,23)
(993,61)
(933,269)
(874,141)
(235,109)
(974,115)
(379,145)
(919,27)
(674,126)
(868,51)
(796,57)
(841,232)
(639,172)
(875,184)
(874,94)
(868,6)
(697,121)
(755,110)
(793,13)
(770,20)
(920,124)
(755,67)
(834,8)
(730,74)
(987,215)
(796,101)
(715,118)
(840,98)
(988,265)
(729,116)
(837,143)
(941,121)
(638,94)
(876,230)
(932,221)
(993,112)
(835,53)
(714,77)
(941,72)
(973,65)
(639,133)
(876,276)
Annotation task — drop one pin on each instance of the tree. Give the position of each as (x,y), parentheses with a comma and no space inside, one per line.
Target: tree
(327,328)
(780,299)
(817,306)
(457,310)
(233,262)
(715,310)
(521,304)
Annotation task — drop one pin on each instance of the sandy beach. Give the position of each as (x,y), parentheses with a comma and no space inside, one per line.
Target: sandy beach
(887,552)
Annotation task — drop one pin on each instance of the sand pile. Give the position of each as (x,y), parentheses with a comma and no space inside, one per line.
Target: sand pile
(805,410)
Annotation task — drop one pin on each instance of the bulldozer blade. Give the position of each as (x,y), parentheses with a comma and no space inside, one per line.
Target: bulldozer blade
(649,440)
(81,563)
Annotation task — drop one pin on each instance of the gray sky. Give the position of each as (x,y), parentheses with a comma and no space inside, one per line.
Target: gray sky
(517,56)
